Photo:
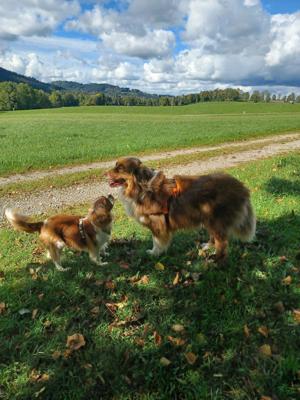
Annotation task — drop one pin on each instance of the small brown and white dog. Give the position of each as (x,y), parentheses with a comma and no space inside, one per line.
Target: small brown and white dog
(219,202)
(90,234)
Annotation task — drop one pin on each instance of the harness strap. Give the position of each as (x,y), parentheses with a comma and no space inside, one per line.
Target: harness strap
(81,229)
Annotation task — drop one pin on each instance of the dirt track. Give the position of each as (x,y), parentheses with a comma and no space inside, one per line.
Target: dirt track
(35,203)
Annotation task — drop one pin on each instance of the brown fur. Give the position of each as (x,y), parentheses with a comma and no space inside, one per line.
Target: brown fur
(63,230)
(219,202)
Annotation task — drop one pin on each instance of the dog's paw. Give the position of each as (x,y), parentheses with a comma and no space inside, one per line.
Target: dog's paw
(206,246)
(153,252)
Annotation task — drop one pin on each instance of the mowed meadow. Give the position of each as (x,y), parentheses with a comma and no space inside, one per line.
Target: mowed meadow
(39,139)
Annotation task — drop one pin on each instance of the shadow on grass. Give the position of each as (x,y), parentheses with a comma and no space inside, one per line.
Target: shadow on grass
(125,343)
(280,186)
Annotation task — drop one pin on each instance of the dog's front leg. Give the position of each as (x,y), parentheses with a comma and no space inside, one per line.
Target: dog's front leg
(103,251)
(160,245)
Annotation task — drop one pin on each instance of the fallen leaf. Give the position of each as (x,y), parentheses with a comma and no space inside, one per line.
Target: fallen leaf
(37,394)
(263,330)
(266,398)
(37,377)
(265,350)
(176,279)
(283,259)
(159,266)
(191,358)
(56,354)
(34,313)
(24,311)
(246,331)
(95,311)
(176,341)
(67,353)
(144,280)
(110,285)
(87,366)
(178,328)
(98,282)
(157,338)
(75,342)
(287,281)
(47,324)
(2,308)
(41,295)
(296,315)
(124,265)
(164,361)
(140,342)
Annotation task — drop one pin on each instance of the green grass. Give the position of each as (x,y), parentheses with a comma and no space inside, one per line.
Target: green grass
(214,305)
(39,139)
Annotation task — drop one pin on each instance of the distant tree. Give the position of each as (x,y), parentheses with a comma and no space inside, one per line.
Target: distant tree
(256,96)
(56,99)
(298,99)
(69,100)
(274,97)
(291,98)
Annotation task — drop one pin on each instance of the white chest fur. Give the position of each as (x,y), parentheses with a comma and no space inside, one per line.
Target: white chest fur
(128,204)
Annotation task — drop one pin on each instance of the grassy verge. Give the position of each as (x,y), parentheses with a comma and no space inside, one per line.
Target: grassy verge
(38,139)
(190,330)
(96,174)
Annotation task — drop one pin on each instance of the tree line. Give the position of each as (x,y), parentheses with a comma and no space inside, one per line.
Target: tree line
(21,96)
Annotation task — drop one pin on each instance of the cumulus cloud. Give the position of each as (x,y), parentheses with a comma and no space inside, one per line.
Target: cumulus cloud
(33,17)
(166,46)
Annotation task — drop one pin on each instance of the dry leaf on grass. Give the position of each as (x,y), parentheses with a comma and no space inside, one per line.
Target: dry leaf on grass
(95,311)
(2,308)
(34,313)
(140,341)
(176,341)
(164,361)
(265,350)
(159,266)
(178,328)
(265,398)
(296,315)
(176,279)
(37,377)
(110,285)
(157,338)
(287,281)
(191,358)
(124,265)
(263,330)
(246,331)
(75,342)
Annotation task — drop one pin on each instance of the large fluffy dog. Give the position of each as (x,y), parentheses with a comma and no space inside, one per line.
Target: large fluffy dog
(218,202)
(90,234)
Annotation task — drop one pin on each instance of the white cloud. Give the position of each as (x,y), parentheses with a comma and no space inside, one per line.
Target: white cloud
(153,44)
(33,17)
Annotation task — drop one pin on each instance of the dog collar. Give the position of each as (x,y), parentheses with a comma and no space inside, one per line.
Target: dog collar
(81,229)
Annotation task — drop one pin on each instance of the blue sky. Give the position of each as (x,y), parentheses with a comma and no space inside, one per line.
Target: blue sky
(161,46)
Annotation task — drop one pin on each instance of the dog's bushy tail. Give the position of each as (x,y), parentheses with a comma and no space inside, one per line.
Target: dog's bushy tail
(245,225)
(21,222)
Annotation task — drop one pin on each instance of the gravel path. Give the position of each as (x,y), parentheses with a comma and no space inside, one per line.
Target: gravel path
(30,176)
(55,199)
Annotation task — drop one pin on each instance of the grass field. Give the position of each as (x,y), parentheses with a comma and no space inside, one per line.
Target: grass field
(39,139)
(188,331)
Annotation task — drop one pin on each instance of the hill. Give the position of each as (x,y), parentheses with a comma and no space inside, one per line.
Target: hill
(104,88)
(6,75)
